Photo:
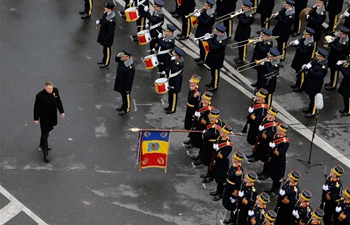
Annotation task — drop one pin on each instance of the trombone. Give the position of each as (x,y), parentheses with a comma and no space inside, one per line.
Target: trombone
(252,41)
(272,16)
(195,11)
(207,35)
(341,17)
(257,63)
(231,15)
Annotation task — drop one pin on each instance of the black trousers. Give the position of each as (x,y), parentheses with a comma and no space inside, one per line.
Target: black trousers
(281,47)
(106,55)
(220,188)
(172,99)
(333,18)
(88,7)
(242,52)
(300,79)
(186,26)
(268,99)
(312,106)
(276,184)
(334,77)
(215,76)
(297,21)
(202,53)
(229,27)
(140,23)
(264,20)
(126,101)
(44,142)
(346,104)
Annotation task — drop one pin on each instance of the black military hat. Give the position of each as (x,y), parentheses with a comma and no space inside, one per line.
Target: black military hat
(318,213)
(283,127)
(126,52)
(271,215)
(207,95)
(158,3)
(344,29)
(274,52)
(178,51)
(219,27)
(251,176)
(247,3)
(262,93)
(309,30)
(306,195)
(294,174)
(195,78)
(347,191)
(290,2)
(170,27)
(109,5)
(226,129)
(321,51)
(272,111)
(238,155)
(215,113)
(209,2)
(337,170)
(264,198)
(266,31)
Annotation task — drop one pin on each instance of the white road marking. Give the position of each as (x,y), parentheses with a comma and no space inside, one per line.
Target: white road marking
(15,207)
(134,104)
(192,50)
(162,101)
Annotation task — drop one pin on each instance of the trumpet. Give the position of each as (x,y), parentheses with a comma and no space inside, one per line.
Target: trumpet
(252,41)
(207,36)
(195,11)
(231,15)
(345,63)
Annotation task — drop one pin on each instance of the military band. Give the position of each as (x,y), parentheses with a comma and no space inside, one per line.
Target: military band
(334,7)
(299,5)
(184,9)
(142,6)
(225,8)
(265,9)
(316,19)
(166,43)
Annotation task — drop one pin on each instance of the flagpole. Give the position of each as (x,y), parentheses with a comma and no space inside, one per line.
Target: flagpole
(135,129)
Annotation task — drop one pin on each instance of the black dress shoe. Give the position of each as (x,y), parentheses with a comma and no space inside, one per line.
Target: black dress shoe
(48,148)
(239,61)
(176,15)
(82,12)
(345,114)
(217,198)
(198,162)
(308,115)
(47,158)
(214,193)
(197,59)
(100,63)
(212,89)
(208,84)
(183,38)
(187,142)
(205,175)
(119,109)
(328,84)
(342,110)
(170,112)
(196,157)
(123,112)
(84,16)
(172,12)
(297,90)
(250,156)
(294,34)
(329,32)
(179,35)
(269,190)
(189,146)
(305,110)
(208,180)
(263,177)
(236,58)
(329,88)
(273,194)
(254,85)
(253,159)
(260,173)
(167,108)
(200,62)
(227,221)
(103,66)
(293,86)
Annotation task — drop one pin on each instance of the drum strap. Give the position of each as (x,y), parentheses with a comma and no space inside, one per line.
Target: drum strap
(174,74)
(163,52)
(155,25)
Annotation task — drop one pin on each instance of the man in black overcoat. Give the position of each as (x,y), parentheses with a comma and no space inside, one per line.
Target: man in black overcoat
(299,5)
(344,88)
(86,13)
(141,21)
(193,100)
(106,33)
(47,102)
(316,19)
(334,7)
(166,43)
(265,8)
(224,9)
(185,9)
(124,79)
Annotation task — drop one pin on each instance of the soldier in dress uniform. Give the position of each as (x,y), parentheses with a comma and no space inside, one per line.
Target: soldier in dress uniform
(306,47)
(317,18)
(316,72)
(256,215)
(106,34)
(124,79)
(216,55)
(156,21)
(193,100)
(341,215)
(331,192)
(339,49)
(210,137)
(86,13)
(299,5)
(243,30)
(141,21)
(260,52)
(285,19)
(287,198)
(270,217)
(270,70)
(166,43)
(206,20)
(267,130)
(256,114)
(302,209)
(234,179)
(175,13)
(334,7)
(186,8)
(223,149)
(265,10)
(226,7)
(200,122)
(316,217)
(246,198)
(174,74)
(345,87)
(277,160)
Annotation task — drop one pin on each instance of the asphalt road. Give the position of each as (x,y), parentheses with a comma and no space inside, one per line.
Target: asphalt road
(92,178)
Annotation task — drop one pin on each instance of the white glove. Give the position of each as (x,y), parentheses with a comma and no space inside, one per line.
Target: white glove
(296,42)
(250,212)
(232,200)
(276,14)
(240,193)
(282,192)
(160,35)
(295,213)
(262,63)
(325,187)
(153,50)
(337,209)
(261,127)
(172,58)
(339,62)
(119,54)
(308,66)
(216,147)
(197,14)
(204,131)
(307,16)
(346,14)
(272,144)
(146,8)
(329,40)
(97,22)
(197,114)
(250,110)
(147,26)
(163,72)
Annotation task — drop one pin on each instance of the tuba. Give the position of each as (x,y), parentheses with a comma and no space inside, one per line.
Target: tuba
(304,12)
(325,40)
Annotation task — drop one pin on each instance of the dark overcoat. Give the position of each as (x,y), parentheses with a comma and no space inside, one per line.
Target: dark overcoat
(255,118)
(338,52)
(315,22)
(186,7)
(222,162)
(344,88)
(334,6)
(285,208)
(234,180)
(107,28)
(302,55)
(175,82)
(125,76)
(269,82)
(226,7)
(277,163)
(243,28)
(210,137)
(246,203)
(315,76)
(216,55)
(205,24)
(193,100)
(265,7)
(283,27)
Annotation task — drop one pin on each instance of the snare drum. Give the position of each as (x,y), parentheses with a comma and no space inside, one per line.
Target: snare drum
(151,61)
(131,14)
(161,85)
(144,37)
(194,21)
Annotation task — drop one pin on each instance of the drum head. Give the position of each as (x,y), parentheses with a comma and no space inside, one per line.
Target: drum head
(161,80)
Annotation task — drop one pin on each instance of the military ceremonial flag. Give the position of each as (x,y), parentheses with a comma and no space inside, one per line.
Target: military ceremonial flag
(153,148)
